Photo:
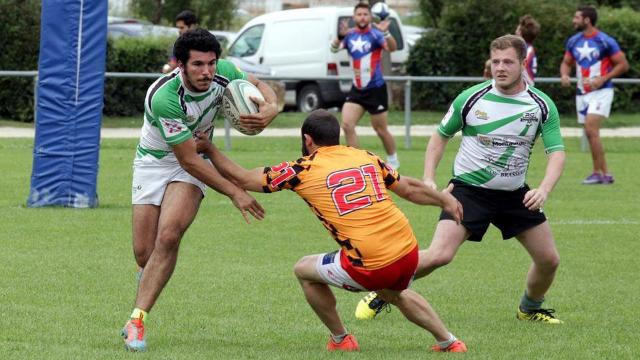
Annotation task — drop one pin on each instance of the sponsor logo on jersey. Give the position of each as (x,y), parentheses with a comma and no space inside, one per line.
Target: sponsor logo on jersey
(171,127)
(481,115)
(529,118)
(485,140)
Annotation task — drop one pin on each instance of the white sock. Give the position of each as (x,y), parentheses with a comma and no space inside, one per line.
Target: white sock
(392,157)
(338,338)
(445,344)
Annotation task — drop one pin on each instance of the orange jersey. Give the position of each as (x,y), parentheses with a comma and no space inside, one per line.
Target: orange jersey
(347,189)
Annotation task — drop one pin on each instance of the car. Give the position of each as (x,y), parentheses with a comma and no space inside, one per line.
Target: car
(130,29)
(414,33)
(224,37)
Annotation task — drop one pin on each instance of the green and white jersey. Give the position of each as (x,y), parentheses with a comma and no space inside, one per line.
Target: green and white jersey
(172,113)
(498,134)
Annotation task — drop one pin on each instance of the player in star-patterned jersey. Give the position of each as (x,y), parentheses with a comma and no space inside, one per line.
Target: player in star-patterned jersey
(598,59)
(365,44)
(169,176)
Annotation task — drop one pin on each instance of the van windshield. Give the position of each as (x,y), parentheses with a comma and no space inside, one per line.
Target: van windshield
(394,29)
(248,42)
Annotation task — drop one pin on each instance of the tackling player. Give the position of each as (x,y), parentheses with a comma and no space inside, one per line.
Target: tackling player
(500,120)
(347,189)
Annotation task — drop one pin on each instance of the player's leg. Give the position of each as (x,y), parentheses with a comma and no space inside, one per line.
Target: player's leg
(443,248)
(381,127)
(321,298)
(179,207)
(145,227)
(177,210)
(416,309)
(351,114)
(540,244)
(592,125)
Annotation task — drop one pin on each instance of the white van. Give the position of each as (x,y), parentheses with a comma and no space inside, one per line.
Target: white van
(296,43)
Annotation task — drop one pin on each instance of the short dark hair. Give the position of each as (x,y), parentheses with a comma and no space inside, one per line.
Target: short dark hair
(197,39)
(529,28)
(361,5)
(590,12)
(323,127)
(187,17)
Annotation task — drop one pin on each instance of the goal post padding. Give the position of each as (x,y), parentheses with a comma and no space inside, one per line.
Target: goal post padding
(73,39)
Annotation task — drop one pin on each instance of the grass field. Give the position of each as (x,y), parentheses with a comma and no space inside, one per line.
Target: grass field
(294,119)
(68,275)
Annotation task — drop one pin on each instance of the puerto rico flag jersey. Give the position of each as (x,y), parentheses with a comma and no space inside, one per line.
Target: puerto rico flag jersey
(592,55)
(365,50)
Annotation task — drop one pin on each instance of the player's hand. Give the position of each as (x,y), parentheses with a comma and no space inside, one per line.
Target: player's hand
(343,27)
(260,120)
(382,25)
(534,199)
(246,203)
(202,141)
(430,183)
(565,80)
(596,82)
(451,205)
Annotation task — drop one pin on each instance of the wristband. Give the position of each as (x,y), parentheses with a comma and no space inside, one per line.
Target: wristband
(386,34)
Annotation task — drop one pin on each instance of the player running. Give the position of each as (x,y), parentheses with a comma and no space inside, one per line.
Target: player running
(500,120)
(346,188)
(169,176)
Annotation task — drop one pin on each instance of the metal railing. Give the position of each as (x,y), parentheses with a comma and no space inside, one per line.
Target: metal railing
(408,80)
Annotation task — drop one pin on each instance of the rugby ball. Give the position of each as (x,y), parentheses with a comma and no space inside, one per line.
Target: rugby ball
(380,11)
(236,100)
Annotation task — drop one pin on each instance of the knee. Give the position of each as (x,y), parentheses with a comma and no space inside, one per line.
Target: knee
(168,240)
(301,268)
(142,254)
(591,131)
(348,127)
(435,260)
(549,263)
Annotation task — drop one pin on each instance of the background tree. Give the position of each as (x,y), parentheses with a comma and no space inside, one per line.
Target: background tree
(213,14)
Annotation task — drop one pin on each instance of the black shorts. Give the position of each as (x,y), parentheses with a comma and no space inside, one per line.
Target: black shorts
(504,209)
(375,100)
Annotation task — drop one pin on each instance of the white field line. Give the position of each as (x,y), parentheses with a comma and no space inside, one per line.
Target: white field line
(594,222)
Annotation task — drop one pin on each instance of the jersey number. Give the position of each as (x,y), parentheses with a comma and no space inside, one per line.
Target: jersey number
(351,182)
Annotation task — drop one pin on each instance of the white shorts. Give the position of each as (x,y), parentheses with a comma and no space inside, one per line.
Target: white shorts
(329,268)
(150,180)
(596,102)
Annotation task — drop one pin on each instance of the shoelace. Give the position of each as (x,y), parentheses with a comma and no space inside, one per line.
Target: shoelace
(378,305)
(545,312)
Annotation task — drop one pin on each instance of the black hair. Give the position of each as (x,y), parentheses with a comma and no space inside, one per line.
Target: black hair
(323,128)
(197,39)
(590,12)
(188,17)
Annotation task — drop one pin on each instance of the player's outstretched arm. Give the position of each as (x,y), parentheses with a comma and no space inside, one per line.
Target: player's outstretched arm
(193,164)
(267,109)
(247,179)
(534,199)
(417,192)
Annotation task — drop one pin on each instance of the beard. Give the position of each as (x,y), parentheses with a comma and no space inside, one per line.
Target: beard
(579,27)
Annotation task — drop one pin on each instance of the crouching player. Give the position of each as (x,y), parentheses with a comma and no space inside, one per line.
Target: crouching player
(347,190)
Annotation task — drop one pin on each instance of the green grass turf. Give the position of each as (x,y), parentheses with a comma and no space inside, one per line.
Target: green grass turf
(68,275)
(294,119)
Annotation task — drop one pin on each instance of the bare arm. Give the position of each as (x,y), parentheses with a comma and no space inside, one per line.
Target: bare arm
(534,199)
(565,69)
(417,192)
(201,170)
(620,66)
(432,157)
(246,179)
(268,109)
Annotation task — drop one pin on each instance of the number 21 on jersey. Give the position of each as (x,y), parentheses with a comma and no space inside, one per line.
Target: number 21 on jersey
(346,184)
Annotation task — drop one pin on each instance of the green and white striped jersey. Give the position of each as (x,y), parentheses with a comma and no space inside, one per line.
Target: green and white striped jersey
(172,113)
(498,134)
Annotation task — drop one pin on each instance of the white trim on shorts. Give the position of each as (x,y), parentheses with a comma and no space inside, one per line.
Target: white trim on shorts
(330,270)
(150,181)
(596,102)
